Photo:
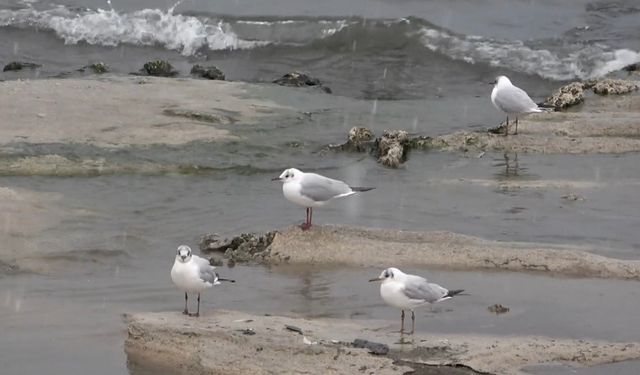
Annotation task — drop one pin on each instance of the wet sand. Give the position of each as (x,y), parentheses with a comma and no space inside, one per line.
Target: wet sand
(116,111)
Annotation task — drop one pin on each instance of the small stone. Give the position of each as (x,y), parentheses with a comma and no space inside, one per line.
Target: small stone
(159,68)
(19,65)
(297,79)
(293,328)
(210,72)
(392,150)
(566,96)
(614,87)
(573,197)
(498,309)
(373,347)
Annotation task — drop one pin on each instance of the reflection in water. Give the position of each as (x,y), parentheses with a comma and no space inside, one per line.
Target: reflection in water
(511,166)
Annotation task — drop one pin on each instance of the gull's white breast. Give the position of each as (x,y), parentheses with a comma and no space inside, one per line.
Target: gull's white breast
(186,276)
(392,293)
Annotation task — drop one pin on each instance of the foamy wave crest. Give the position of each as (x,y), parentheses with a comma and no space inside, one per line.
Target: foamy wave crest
(147,27)
(580,61)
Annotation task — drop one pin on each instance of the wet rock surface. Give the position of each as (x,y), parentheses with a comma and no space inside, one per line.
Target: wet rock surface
(333,245)
(498,309)
(95,68)
(298,79)
(159,68)
(613,86)
(19,65)
(218,342)
(246,247)
(566,96)
(208,72)
(393,148)
(606,125)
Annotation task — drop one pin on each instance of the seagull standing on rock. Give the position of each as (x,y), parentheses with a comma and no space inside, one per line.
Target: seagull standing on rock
(313,190)
(512,100)
(408,292)
(193,274)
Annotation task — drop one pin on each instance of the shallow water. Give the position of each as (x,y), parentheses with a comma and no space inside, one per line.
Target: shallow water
(82,314)
(106,246)
(112,251)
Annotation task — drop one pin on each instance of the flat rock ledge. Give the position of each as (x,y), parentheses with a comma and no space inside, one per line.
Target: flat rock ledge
(371,247)
(608,124)
(231,342)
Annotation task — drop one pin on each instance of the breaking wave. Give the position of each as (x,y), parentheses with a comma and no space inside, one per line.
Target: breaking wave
(186,34)
(191,33)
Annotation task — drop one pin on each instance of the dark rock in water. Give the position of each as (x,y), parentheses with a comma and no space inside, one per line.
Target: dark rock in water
(297,79)
(614,86)
(96,68)
(566,96)
(19,65)
(373,347)
(209,72)
(360,139)
(216,262)
(392,148)
(243,248)
(159,68)
(632,67)
(498,309)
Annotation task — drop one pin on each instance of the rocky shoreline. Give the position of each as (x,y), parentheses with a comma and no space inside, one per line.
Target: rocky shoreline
(232,342)
(339,245)
(607,123)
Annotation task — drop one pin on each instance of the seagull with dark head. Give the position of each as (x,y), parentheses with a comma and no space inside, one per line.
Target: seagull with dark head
(408,292)
(313,190)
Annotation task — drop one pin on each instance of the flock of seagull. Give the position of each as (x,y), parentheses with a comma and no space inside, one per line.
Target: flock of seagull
(193,274)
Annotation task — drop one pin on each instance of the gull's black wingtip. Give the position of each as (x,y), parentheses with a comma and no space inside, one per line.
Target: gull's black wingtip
(453,293)
(361,189)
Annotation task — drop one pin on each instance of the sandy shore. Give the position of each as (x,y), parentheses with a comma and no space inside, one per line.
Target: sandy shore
(230,342)
(124,111)
(372,247)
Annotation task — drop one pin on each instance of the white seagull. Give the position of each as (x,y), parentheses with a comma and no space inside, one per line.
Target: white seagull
(512,100)
(407,292)
(313,190)
(193,274)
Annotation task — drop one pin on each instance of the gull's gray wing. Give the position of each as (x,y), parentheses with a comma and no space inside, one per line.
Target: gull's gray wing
(321,189)
(417,287)
(514,100)
(206,270)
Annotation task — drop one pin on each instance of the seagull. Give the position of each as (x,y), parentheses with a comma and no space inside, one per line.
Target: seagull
(511,100)
(407,292)
(313,190)
(193,274)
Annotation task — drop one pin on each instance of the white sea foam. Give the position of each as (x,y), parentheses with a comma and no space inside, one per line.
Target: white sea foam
(177,32)
(582,61)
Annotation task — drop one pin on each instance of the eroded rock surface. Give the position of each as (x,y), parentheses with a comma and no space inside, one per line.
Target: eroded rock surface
(218,342)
